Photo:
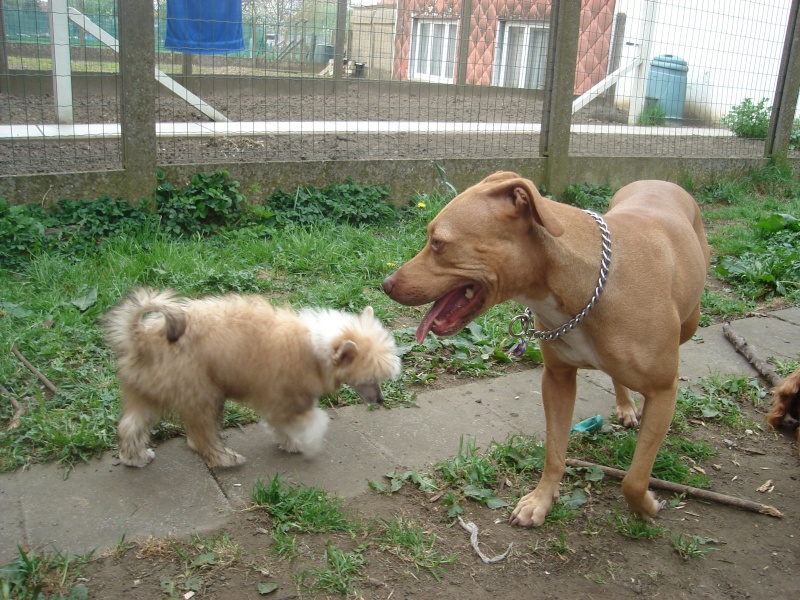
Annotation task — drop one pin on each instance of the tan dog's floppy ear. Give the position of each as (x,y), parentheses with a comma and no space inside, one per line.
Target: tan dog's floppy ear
(527,192)
(345,353)
(526,200)
(500,176)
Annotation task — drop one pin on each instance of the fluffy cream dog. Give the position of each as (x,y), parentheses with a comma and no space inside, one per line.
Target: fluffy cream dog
(187,356)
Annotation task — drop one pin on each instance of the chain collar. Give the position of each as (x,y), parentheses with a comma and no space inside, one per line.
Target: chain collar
(525,320)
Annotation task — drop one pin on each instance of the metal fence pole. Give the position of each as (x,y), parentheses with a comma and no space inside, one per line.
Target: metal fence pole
(565,20)
(786,91)
(138,102)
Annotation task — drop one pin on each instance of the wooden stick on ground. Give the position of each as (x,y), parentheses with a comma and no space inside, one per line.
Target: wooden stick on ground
(19,410)
(747,351)
(47,383)
(690,491)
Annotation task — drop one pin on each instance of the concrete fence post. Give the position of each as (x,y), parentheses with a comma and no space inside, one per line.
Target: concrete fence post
(786,91)
(565,18)
(138,101)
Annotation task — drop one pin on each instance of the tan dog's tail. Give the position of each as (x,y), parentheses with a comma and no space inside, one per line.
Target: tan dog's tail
(126,324)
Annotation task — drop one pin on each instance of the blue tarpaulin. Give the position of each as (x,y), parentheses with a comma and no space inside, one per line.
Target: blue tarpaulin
(204,26)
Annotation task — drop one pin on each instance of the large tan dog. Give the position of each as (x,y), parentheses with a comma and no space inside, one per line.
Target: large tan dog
(501,240)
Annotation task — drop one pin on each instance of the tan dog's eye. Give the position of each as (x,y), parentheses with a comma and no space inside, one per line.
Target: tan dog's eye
(436,245)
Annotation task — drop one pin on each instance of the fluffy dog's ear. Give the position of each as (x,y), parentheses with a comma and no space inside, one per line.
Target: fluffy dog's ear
(368,313)
(344,353)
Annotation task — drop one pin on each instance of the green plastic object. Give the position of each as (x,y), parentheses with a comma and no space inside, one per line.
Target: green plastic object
(589,425)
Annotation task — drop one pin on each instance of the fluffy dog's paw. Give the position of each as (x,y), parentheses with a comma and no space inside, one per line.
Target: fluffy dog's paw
(226,460)
(140,460)
(532,509)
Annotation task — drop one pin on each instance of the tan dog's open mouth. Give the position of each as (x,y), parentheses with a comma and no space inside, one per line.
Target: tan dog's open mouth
(452,312)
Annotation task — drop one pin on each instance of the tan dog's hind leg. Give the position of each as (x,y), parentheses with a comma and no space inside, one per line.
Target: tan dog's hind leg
(625,409)
(559,388)
(202,435)
(656,418)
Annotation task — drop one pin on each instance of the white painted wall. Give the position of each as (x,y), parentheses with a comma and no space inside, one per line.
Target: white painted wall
(733,48)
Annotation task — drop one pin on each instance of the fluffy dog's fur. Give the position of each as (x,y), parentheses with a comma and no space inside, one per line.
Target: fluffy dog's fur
(786,404)
(187,356)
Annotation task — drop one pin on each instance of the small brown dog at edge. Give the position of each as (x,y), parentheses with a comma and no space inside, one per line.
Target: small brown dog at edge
(501,240)
(189,355)
(786,404)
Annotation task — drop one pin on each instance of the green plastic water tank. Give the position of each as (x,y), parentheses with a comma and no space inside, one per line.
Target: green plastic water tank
(666,84)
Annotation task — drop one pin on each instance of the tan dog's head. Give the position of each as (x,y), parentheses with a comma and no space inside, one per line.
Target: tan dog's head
(475,247)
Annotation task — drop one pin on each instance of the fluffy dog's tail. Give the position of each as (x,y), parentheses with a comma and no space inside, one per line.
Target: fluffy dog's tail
(128,322)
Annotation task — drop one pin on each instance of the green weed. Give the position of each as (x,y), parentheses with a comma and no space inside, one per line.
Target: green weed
(299,508)
(402,538)
(340,573)
(33,575)
(637,528)
(692,546)
(652,115)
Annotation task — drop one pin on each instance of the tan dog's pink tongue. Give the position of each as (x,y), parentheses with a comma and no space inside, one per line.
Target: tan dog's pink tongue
(447,303)
(427,321)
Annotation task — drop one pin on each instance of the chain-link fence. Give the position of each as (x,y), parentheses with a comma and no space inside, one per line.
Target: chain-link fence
(301,80)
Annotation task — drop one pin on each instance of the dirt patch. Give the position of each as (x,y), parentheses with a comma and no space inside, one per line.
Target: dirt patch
(22,156)
(753,556)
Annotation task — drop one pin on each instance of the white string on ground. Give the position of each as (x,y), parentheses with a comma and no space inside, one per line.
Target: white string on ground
(473,538)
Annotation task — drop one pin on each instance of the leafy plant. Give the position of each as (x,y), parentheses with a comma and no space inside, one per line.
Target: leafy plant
(340,203)
(589,195)
(748,119)
(212,201)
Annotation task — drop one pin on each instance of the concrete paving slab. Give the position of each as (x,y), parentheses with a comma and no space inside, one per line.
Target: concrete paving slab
(710,353)
(770,336)
(790,315)
(102,500)
(347,461)
(12,523)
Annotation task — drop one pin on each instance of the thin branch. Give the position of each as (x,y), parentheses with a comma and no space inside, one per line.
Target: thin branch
(688,490)
(47,383)
(19,410)
(747,351)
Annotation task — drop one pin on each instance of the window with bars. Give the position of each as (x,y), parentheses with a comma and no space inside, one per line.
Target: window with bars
(433,50)
(521,56)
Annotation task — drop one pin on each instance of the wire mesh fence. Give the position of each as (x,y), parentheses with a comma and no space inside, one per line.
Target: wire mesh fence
(294,80)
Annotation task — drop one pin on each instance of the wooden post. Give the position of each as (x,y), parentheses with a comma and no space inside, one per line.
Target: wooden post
(565,17)
(786,91)
(339,40)
(138,101)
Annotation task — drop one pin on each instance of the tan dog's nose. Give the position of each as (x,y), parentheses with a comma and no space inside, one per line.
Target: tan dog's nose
(388,285)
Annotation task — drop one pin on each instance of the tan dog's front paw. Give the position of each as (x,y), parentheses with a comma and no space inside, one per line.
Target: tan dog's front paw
(627,416)
(646,506)
(531,510)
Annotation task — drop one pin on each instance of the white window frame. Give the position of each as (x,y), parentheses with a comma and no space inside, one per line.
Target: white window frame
(424,38)
(532,60)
